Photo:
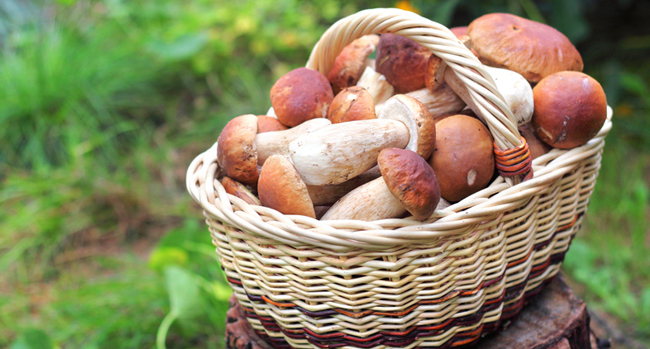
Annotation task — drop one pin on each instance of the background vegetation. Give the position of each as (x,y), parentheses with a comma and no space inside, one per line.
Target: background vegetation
(103,104)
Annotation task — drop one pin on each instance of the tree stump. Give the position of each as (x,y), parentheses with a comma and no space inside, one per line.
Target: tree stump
(555,319)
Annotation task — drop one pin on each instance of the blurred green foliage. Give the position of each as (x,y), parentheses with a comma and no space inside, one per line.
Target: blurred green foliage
(103,103)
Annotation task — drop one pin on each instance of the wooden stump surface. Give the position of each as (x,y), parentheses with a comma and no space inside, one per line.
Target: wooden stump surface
(555,319)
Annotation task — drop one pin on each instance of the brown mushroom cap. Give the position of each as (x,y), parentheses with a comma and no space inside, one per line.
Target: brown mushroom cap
(352,103)
(267,123)
(402,61)
(459,31)
(411,180)
(463,159)
(570,109)
(433,77)
(281,188)
(236,152)
(416,117)
(532,49)
(300,95)
(351,62)
(239,190)
(536,146)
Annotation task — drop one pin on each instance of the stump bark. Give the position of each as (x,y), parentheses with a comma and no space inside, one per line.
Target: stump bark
(555,319)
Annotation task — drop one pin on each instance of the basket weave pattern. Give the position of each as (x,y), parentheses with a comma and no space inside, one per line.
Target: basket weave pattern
(444,282)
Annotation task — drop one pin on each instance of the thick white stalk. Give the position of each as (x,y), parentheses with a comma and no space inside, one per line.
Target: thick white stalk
(338,152)
(277,142)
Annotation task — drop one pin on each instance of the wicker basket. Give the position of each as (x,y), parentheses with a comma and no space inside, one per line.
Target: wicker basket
(402,283)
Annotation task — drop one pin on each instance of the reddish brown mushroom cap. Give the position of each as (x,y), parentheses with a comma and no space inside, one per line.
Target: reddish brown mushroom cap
(536,146)
(239,190)
(532,49)
(267,123)
(402,61)
(300,95)
(236,152)
(352,103)
(411,180)
(463,158)
(459,31)
(281,188)
(570,109)
(351,62)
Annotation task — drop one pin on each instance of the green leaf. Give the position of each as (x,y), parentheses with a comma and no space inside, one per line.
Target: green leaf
(33,339)
(184,293)
(182,48)
(164,257)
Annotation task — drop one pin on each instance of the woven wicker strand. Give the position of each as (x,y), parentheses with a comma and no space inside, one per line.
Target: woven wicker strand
(444,282)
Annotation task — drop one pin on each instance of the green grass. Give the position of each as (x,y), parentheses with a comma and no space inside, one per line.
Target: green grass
(610,255)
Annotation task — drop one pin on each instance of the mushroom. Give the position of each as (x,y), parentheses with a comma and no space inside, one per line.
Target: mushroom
(532,49)
(267,123)
(277,142)
(402,61)
(377,86)
(352,103)
(407,183)
(463,159)
(570,109)
(240,148)
(351,62)
(281,188)
(459,31)
(300,95)
(329,194)
(239,190)
(439,102)
(514,88)
(339,152)
(536,146)
(236,153)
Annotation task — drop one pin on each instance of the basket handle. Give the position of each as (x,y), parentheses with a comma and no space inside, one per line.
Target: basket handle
(441,42)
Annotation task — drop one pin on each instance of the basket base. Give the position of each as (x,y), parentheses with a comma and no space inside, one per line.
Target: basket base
(556,318)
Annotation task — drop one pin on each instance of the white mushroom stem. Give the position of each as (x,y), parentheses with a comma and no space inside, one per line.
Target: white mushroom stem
(369,202)
(329,194)
(514,88)
(376,84)
(338,152)
(442,101)
(277,142)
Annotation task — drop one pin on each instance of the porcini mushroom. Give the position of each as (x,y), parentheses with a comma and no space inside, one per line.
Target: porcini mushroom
(570,109)
(240,148)
(377,86)
(407,183)
(402,61)
(267,123)
(439,102)
(513,87)
(530,48)
(239,190)
(339,152)
(352,103)
(351,62)
(300,95)
(236,153)
(463,158)
(281,188)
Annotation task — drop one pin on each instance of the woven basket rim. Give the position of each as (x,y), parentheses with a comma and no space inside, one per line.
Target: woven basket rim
(499,197)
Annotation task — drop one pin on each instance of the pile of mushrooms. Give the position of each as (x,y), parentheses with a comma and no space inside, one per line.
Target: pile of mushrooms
(399,136)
